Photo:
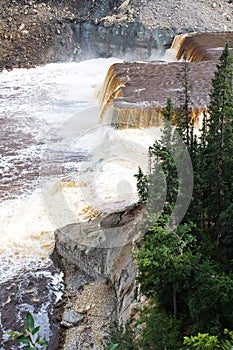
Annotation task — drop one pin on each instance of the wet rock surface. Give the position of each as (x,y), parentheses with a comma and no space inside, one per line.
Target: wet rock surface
(143,89)
(128,40)
(37,291)
(150,84)
(139,90)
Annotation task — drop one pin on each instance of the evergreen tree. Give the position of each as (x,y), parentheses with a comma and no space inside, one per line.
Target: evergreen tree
(197,151)
(163,181)
(188,276)
(142,186)
(218,165)
(183,114)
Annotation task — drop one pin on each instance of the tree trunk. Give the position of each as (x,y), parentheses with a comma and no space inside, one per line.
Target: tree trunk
(174,302)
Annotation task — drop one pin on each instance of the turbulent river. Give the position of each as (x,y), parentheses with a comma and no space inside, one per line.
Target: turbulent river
(35,103)
(58,163)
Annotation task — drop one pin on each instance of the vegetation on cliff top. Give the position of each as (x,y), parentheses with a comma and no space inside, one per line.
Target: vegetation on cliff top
(187,272)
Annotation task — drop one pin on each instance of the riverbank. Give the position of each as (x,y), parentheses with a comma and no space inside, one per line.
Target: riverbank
(36,32)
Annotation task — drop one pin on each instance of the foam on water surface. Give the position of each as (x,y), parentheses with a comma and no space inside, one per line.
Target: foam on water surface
(34,104)
(58,164)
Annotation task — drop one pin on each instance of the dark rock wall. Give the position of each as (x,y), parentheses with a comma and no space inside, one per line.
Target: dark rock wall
(131,41)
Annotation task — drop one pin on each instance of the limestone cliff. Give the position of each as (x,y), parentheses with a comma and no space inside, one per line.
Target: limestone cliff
(101,248)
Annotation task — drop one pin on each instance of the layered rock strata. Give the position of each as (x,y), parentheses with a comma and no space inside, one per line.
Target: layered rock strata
(101,248)
(35,32)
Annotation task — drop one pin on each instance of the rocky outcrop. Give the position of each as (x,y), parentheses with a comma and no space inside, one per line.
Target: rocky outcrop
(35,32)
(102,249)
(129,40)
(99,274)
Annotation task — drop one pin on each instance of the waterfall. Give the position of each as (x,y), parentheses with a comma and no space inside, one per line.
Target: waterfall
(112,89)
(138,91)
(199,47)
(61,159)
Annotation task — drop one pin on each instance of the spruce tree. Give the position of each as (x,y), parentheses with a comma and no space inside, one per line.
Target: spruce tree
(187,276)
(142,186)
(163,180)
(218,166)
(183,114)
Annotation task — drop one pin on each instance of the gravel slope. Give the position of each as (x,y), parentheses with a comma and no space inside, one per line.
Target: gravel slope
(39,31)
(196,15)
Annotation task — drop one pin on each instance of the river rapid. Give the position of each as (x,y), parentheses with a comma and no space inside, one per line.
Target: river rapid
(34,103)
(58,165)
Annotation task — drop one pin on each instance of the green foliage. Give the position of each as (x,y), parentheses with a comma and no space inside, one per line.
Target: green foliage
(183,115)
(164,259)
(202,342)
(142,185)
(160,331)
(205,341)
(113,346)
(188,271)
(29,337)
(227,343)
(219,147)
(122,336)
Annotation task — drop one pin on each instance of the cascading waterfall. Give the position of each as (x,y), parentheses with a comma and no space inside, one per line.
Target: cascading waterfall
(185,48)
(112,89)
(37,105)
(138,91)
(61,159)
(36,102)
(199,47)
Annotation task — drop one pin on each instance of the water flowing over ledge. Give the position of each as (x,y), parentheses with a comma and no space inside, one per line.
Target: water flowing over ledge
(198,47)
(138,91)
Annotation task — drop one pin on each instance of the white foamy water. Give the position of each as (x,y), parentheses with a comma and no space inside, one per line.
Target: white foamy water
(58,164)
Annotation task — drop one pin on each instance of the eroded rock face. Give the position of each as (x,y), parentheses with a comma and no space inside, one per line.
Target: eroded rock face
(127,40)
(102,249)
(35,32)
